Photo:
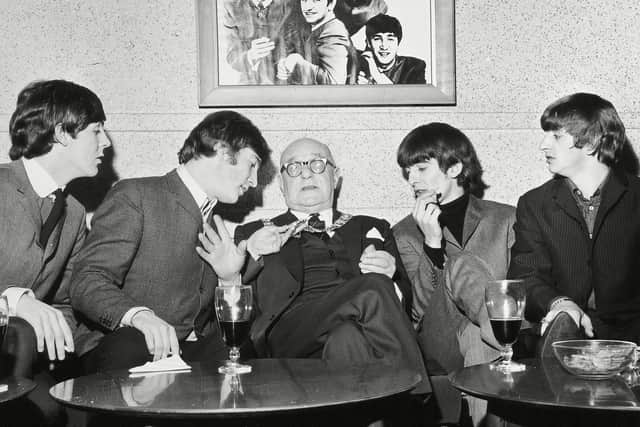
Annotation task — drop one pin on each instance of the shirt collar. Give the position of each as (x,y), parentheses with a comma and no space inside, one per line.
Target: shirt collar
(326,215)
(265,3)
(41,181)
(194,188)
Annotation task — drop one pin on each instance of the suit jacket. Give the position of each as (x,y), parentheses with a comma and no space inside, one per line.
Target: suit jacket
(406,70)
(23,262)
(141,252)
(555,256)
(327,52)
(277,278)
(241,25)
(487,233)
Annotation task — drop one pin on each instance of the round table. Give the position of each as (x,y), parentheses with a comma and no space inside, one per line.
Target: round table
(274,385)
(545,388)
(16,387)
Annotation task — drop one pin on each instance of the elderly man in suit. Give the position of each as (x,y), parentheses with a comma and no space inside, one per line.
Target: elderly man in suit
(336,289)
(57,135)
(140,285)
(451,244)
(578,235)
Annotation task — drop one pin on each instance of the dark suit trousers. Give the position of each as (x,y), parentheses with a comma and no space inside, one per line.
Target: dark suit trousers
(355,321)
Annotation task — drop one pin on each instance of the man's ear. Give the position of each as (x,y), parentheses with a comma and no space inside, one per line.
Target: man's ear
(454,170)
(337,173)
(60,136)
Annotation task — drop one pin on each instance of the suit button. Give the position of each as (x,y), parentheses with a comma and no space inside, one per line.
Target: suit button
(272,317)
(332,253)
(291,294)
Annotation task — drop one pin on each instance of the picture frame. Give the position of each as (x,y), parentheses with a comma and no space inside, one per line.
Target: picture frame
(439,56)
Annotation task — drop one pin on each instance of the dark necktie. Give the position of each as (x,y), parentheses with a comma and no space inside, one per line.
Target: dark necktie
(54,217)
(316,225)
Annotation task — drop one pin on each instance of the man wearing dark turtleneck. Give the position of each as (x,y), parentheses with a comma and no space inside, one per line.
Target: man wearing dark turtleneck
(451,245)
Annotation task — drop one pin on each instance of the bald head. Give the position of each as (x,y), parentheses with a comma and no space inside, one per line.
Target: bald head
(306,146)
(310,191)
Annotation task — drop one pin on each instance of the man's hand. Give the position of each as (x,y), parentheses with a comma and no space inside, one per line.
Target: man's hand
(269,239)
(259,49)
(220,252)
(160,336)
(49,325)
(426,213)
(572,309)
(375,261)
(376,75)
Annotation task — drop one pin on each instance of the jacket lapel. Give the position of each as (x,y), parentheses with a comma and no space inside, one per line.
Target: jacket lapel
(471,219)
(291,252)
(561,196)
(613,190)
(182,196)
(353,238)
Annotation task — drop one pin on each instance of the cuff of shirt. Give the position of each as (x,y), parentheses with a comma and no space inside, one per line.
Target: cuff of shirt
(13,295)
(128,316)
(235,281)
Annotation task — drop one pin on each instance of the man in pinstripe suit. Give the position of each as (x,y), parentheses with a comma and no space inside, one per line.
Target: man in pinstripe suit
(578,235)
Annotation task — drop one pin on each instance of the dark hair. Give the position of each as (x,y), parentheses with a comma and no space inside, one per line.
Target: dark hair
(448,146)
(232,130)
(383,24)
(41,106)
(592,121)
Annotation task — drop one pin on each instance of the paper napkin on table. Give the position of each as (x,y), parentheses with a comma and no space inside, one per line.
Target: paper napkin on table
(171,363)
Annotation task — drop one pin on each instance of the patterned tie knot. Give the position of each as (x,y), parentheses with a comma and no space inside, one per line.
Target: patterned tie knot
(315,223)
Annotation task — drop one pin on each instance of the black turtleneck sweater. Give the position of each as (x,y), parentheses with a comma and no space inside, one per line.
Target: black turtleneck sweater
(452,218)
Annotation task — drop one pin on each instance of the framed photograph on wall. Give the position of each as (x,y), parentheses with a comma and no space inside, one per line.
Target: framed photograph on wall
(261,53)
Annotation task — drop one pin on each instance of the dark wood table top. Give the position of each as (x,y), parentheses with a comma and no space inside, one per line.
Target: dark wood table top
(16,387)
(546,383)
(273,385)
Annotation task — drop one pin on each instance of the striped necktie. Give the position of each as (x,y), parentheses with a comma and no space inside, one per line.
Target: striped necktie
(206,208)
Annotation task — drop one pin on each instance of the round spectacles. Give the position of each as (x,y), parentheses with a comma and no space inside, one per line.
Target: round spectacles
(316,166)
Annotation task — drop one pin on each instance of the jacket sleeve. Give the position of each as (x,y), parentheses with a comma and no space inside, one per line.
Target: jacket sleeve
(422,275)
(100,270)
(465,277)
(400,277)
(61,299)
(531,261)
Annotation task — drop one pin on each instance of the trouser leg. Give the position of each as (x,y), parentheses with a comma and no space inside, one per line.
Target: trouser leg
(123,348)
(383,329)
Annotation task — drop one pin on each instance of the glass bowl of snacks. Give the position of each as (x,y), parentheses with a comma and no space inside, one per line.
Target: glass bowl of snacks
(594,359)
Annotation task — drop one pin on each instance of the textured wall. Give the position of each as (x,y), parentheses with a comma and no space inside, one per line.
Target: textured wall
(513,58)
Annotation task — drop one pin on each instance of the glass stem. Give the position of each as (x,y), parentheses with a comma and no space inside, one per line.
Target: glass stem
(507,354)
(234,355)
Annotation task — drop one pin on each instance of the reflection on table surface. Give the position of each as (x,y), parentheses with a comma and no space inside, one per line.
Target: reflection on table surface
(14,387)
(273,385)
(545,382)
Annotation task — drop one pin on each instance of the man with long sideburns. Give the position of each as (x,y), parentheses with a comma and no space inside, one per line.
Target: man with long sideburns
(57,135)
(452,243)
(578,235)
(142,285)
(335,290)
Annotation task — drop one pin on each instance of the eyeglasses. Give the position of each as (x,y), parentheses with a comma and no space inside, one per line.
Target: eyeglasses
(316,166)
